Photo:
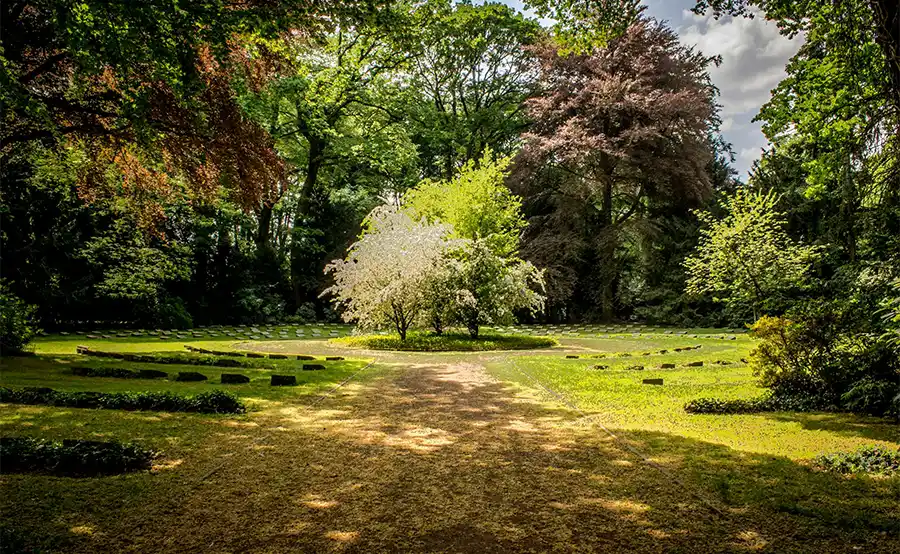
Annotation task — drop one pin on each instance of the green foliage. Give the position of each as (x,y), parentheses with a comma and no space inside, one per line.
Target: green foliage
(869,396)
(18,321)
(489,289)
(214,402)
(868,459)
(716,406)
(448,342)
(813,361)
(747,256)
(475,202)
(72,457)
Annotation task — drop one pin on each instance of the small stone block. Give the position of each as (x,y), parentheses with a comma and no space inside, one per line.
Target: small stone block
(190,376)
(283,380)
(305,357)
(333,358)
(255,355)
(694,364)
(313,367)
(234,379)
(653,381)
(278,357)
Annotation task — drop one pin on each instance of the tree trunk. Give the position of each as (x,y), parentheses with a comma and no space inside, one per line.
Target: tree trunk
(316,157)
(607,257)
(264,225)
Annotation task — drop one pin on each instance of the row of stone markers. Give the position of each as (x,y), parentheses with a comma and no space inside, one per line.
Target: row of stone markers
(607,331)
(219,332)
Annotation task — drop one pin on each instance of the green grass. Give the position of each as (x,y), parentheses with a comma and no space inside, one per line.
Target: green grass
(619,400)
(448,342)
(407,453)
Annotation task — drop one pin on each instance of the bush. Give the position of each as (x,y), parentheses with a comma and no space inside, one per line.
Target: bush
(869,396)
(18,328)
(114,372)
(214,402)
(716,406)
(171,313)
(868,459)
(813,360)
(72,457)
(424,342)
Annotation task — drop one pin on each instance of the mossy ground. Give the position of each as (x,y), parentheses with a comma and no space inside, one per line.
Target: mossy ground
(455,452)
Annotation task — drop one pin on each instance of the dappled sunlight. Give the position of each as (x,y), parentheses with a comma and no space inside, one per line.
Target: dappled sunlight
(342,536)
(85,530)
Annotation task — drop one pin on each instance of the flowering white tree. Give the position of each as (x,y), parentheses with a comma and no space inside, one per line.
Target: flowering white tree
(490,288)
(382,280)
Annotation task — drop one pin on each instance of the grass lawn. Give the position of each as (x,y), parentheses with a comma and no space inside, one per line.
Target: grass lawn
(450,452)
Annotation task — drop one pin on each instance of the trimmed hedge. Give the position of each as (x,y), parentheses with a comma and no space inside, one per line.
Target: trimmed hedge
(72,457)
(213,402)
(716,406)
(118,373)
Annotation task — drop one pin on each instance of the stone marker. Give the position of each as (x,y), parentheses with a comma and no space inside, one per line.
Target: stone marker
(653,381)
(283,380)
(305,357)
(598,366)
(635,368)
(278,357)
(190,376)
(255,355)
(313,367)
(571,357)
(667,366)
(694,364)
(333,358)
(234,379)
(152,374)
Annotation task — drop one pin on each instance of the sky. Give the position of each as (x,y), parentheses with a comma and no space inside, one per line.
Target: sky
(753,58)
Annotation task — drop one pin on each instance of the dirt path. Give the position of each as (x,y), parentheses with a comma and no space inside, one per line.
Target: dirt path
(429,458)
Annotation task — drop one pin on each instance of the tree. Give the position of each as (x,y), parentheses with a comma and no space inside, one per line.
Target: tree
(475,203)
(747,256)
(382,280)
(489,288)
(467,81)
(616,128)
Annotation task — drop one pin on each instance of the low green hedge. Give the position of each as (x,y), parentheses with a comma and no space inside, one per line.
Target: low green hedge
(717,406)
(72,457)
(868,459)
(426,342)
(213,402)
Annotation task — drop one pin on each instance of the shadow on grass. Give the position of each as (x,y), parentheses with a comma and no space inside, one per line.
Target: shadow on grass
(442,459)
(843,424)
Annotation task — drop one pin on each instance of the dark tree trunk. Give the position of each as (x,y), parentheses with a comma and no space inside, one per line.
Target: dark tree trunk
(264,225)
(316,158)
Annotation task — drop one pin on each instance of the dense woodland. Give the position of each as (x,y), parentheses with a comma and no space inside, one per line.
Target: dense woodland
(170,165)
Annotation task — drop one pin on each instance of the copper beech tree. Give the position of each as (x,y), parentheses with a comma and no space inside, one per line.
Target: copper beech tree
(615,130)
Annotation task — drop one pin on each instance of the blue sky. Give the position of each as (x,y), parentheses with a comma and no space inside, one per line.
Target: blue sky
(753,60)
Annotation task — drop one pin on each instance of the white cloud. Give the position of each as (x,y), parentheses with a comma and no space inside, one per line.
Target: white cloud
(754,55)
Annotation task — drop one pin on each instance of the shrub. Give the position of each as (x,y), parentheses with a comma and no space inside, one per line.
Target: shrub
(868,459)
(114,372)
(716,406)
(869,396)
(813,361)
(214,402)
(72,457)
(17,324)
